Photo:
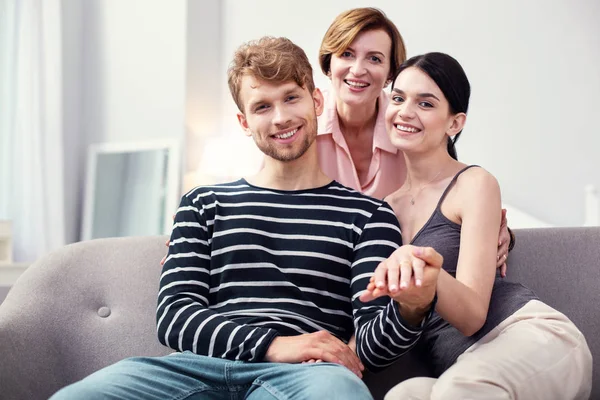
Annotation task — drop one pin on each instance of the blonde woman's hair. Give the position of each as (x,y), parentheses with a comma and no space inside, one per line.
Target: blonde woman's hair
(348,25)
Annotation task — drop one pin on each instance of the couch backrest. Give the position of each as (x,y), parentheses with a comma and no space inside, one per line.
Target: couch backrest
(562,265)
(90,304)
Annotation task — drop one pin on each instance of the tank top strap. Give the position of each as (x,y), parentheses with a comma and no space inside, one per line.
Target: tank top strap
(452,184)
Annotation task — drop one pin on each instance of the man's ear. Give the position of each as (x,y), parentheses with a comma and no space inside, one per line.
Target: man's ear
(458,123)
(319,101)
(244,124)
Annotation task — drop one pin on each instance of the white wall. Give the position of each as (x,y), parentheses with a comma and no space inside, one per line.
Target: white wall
(74,139)
(124,80)
(533,67)
(205,75)
(214,151)
(137,70)
(134,69)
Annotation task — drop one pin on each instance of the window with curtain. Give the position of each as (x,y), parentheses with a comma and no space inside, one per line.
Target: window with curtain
(31,134)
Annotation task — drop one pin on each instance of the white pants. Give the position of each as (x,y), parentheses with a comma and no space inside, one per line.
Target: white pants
(536,353)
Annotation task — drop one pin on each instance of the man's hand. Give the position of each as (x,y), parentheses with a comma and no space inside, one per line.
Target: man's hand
(352,343)
(503,242)
(409,276)
(320,345)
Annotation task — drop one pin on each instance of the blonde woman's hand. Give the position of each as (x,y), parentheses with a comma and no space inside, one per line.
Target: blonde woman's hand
(503,243)
(162,262)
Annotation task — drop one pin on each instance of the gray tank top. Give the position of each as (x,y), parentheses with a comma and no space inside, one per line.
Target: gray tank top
(441,343)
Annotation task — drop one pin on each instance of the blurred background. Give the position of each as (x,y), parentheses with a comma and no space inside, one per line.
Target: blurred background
(129,75)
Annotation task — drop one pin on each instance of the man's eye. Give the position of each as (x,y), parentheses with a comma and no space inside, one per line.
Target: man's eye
(261,107)
(290,98)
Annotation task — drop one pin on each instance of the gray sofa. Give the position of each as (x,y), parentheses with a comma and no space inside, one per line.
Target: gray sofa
(91,304)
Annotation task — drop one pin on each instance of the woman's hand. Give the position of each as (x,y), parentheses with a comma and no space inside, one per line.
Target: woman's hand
(162,262)
(503,242)
(409,276)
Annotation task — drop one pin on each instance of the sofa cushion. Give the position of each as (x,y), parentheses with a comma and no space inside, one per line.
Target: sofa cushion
(77,310)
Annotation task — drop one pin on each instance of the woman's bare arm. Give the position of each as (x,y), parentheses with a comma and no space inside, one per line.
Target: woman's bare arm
(464,301)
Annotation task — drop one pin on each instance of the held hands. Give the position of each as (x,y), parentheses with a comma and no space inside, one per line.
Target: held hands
(314,347)
(409,276)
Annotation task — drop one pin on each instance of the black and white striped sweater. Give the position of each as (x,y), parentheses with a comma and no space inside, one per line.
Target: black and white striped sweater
(246,264)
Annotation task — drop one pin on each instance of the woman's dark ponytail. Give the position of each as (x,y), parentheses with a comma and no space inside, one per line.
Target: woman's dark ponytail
(451,147)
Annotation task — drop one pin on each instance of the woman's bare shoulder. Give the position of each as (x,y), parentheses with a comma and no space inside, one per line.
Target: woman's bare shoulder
(478,182)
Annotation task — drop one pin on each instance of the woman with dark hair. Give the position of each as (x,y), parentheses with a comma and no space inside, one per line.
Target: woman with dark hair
(489,338)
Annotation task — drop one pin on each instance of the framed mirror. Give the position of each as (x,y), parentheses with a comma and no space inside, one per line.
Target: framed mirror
(131,189)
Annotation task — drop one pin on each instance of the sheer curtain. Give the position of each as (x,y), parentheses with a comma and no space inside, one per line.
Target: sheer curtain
(31,139)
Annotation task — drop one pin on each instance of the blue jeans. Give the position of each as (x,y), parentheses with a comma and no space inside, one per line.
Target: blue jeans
(189,376)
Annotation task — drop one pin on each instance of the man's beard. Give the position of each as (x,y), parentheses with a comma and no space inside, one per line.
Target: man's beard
(294,153)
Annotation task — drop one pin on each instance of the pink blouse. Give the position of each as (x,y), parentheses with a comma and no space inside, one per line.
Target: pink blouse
(387,169)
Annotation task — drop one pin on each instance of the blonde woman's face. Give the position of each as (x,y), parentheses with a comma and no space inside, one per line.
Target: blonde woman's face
(360,73)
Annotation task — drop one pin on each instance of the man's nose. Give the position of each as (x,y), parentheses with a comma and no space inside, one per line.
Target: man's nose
(281,116)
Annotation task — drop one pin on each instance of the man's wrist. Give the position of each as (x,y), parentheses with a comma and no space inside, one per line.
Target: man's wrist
(271,351)
(414,316)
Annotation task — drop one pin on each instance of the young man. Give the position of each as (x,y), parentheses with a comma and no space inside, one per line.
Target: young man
(264,274)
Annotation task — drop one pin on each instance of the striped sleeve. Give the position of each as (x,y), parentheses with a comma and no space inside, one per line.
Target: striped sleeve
(184,320)
(382,336)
